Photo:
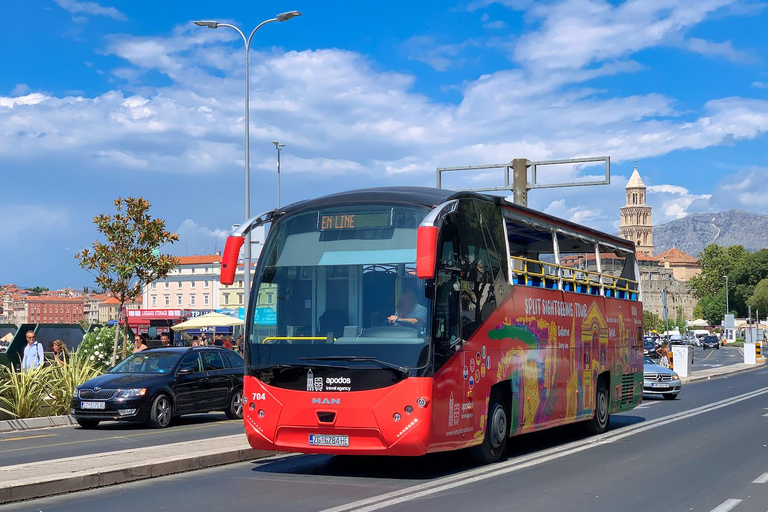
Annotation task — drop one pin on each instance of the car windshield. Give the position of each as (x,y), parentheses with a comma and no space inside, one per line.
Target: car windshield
(148,362)
(341,281)
(648,360)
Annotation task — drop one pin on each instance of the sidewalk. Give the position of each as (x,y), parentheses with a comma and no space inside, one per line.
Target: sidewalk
(722,371)
(39,479)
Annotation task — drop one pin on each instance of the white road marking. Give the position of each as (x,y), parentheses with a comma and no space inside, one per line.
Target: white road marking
(494,470)
(726,505)
(762,478)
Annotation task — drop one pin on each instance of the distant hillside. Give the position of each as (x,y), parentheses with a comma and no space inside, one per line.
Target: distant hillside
(692,233)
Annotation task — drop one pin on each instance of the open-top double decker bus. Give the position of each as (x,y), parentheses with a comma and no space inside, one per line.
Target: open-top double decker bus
(403,321)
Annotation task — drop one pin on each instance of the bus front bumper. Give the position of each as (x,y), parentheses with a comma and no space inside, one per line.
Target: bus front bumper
(390,421)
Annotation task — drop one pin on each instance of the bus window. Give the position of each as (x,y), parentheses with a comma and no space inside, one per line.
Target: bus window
(580,270)
(480,245)
(532,257)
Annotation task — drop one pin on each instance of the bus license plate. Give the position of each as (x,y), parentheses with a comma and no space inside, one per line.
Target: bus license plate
(91,405)
(323,440)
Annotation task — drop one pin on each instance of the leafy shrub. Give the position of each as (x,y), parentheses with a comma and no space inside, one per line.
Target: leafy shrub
(96,347)
(45,391)
(22,393)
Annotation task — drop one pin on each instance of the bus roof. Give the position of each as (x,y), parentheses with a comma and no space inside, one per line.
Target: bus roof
(431,197)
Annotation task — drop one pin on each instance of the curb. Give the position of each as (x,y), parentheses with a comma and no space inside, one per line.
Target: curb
(38,487)
(32,423)
(687,380)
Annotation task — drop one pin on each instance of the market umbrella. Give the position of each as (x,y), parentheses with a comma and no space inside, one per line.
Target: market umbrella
(209,320)
(699,322)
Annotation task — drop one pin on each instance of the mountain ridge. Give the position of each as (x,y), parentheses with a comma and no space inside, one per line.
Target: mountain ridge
(694,232)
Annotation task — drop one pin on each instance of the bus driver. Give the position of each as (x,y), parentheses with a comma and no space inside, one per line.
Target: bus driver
(408,310)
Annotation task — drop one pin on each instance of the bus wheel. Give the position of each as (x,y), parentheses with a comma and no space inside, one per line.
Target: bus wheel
(496,432)
(599,422)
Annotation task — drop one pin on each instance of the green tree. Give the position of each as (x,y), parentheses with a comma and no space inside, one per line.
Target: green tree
(713,308)
(716,262)
(759,298)
(651,322)
(128,259)
(37,290)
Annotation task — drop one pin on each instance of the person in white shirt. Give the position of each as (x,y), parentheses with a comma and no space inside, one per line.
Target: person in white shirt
(408,310)
(33,353)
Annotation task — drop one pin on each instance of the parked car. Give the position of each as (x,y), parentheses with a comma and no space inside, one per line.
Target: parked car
(157,385)
(658,380)
(649,348)
(710,342)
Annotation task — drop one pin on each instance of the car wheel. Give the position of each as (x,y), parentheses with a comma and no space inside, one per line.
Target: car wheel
(235,409)
(670,396)
(89,424)
(599,422)
(496,432)
(161,412)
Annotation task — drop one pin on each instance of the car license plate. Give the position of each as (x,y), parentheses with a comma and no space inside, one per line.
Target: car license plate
(92,405)
(323,440)
(659,385)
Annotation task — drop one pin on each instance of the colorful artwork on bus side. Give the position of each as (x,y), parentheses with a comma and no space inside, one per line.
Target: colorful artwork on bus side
(550,347)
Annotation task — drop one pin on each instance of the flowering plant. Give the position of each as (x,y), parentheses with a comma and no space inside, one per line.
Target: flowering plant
(96,347)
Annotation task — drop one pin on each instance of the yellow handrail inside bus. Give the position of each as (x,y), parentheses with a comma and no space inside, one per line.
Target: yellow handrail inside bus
(553,272)
(278,338)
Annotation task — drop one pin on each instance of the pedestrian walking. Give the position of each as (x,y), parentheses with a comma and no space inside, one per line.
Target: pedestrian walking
(240,344)
(165,340)
(663,352)
(60,354)
(33,353)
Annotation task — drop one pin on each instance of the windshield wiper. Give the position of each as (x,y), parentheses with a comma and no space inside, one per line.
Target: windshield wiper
(362,359)
(303,365)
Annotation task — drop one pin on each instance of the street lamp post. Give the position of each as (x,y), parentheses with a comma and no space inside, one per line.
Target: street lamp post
(279,148)
(726,295)
(247,40)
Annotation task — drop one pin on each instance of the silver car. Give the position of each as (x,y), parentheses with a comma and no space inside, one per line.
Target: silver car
(658,380)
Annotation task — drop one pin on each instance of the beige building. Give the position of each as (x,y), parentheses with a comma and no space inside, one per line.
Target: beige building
(668,271)
(109,309)
(193,284)
(636,223)
(683,265)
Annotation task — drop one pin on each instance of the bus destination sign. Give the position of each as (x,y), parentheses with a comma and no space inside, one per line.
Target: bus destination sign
(344,221)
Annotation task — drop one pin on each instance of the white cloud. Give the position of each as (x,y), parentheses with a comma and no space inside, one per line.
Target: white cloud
(426,49)
(21,220)
(724,49)
(75,7)
(578,33)
(197,239)
(760,85)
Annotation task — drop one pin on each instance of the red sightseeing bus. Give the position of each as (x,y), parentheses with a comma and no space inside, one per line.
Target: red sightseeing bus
(402,321)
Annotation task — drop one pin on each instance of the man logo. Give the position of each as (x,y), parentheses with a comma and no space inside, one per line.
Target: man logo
(326,401)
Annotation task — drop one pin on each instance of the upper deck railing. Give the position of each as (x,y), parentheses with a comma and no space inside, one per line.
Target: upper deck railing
(541,274)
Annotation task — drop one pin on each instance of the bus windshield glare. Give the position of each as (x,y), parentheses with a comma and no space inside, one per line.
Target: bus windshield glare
(338,285)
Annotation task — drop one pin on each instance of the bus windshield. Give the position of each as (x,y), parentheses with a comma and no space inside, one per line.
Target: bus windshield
(338,285)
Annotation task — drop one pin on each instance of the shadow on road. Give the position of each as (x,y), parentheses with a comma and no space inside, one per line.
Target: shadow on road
(428,467)
(184,421)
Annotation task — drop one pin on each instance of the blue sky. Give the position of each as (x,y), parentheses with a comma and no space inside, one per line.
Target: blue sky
(117,98)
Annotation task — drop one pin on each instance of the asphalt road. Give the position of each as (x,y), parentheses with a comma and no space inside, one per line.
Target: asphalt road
(60,442)
(713,358)
(706,451)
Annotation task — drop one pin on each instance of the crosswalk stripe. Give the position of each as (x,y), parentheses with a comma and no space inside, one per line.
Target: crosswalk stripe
(762,478)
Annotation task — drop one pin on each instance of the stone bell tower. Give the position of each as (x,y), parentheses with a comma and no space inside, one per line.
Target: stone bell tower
(636,223)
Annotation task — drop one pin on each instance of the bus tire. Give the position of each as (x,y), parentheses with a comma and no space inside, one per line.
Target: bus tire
(494,443)
(599,422)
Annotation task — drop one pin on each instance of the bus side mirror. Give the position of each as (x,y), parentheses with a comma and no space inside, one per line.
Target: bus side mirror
(426,251)
(229,259)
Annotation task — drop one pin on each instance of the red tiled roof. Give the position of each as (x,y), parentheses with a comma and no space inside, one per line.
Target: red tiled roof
(675,255)
(32,298)
(199,260)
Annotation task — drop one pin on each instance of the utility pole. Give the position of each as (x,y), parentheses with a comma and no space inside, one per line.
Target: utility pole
(520,181)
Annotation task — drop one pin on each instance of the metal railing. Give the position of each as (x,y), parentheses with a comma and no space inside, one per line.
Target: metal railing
(542,274)
(310,338)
